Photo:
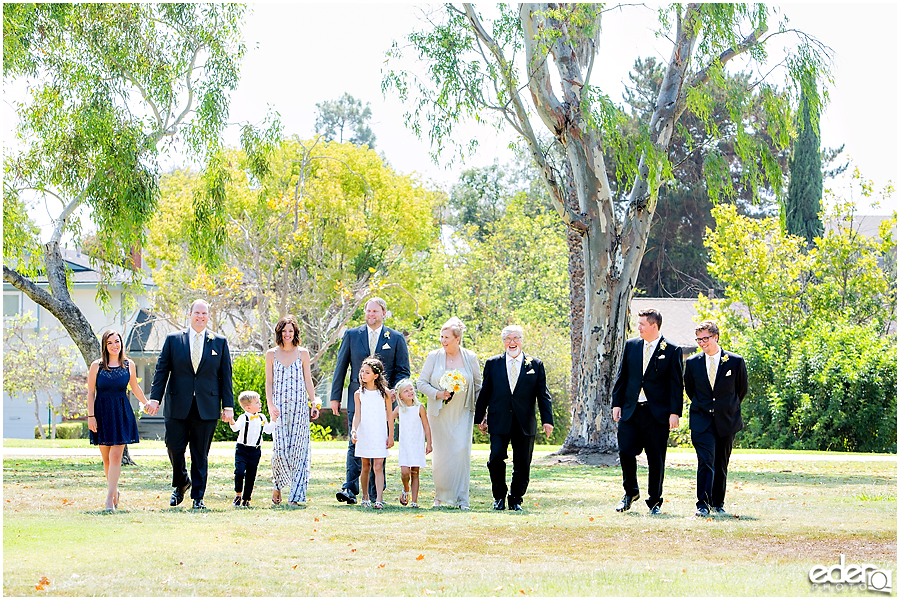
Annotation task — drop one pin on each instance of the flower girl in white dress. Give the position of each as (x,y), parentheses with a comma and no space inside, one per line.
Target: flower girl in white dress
(415,439)
(373,429)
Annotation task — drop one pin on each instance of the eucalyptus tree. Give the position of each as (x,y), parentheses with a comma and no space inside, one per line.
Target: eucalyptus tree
(109,87)
(499,70)
(345,117)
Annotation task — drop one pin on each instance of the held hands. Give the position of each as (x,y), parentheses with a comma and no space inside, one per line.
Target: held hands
(274,412)
(151,408)
(228,415)
(548,429)
(617,413)
(673,422)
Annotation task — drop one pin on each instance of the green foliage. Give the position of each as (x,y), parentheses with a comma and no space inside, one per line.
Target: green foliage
(64,431)
(804,198)
(318,433)
(328,225)
(836,389)
(343,118)
(39,365)
(248,373)
(813,326)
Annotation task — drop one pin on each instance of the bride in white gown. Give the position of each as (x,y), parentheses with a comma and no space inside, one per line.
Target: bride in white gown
(451,423)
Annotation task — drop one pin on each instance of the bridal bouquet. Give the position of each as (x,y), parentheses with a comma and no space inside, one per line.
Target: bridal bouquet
(453,382)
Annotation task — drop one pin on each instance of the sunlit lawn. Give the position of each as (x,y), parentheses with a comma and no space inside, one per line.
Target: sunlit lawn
(786,517)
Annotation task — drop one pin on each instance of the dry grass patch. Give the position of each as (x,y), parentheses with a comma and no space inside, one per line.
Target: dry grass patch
(568,542)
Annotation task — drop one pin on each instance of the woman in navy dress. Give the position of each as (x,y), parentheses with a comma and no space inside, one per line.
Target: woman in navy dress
(110,416)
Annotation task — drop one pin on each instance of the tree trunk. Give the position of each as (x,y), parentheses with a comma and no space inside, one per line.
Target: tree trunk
(37,416)
(58,301)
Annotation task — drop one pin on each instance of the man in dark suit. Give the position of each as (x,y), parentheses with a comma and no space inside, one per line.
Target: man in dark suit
(512,384)
(647,403)
(371,339)
(716,383)
(193,373)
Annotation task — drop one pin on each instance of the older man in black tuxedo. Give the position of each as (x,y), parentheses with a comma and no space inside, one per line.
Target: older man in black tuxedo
(716,383)
(647,403)
(193,373)
(373,338)
(513,384)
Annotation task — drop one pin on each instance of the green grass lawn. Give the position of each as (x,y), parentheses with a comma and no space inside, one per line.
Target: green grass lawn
(786,517)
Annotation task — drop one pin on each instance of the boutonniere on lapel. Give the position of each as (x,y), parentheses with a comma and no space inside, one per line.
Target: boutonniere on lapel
(662,348)
(387,334)
(724,358)
(527,365)
(209,336)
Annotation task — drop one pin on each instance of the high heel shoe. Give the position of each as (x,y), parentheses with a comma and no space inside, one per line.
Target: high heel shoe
(116,503)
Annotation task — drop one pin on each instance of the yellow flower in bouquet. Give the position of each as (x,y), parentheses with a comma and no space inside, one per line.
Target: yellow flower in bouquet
(453,382)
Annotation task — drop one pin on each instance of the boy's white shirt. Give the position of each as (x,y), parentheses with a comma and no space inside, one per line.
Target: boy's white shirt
(258,422)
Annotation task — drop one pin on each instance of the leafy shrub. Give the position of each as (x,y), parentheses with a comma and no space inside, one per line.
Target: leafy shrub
(248,372)
(320,434)
(65,431)
(835,389)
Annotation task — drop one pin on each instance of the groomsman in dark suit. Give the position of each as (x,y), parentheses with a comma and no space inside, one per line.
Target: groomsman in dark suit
(513,384)
(647,403)
(716,383)
(193,373)
(371,339)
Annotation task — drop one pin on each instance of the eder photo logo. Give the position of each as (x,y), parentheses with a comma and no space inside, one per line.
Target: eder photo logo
(842,576)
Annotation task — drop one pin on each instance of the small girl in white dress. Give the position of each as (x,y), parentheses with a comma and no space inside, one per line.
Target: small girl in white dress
(372,430)
(415,439)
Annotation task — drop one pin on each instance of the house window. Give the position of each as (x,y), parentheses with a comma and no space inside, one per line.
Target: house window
(10,305)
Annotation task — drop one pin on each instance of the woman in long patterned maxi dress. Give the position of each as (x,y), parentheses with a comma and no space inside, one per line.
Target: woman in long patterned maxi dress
(291,401)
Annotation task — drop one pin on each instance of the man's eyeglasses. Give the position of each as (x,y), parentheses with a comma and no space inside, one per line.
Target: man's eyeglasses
(703,340)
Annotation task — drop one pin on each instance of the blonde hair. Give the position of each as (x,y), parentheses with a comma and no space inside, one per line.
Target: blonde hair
(247,397)
(456,327)
(401,385)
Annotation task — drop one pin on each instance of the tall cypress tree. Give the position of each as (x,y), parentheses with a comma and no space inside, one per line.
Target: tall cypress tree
(804,198)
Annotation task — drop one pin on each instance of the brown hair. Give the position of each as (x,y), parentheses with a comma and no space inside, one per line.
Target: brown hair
(282,322)
(378,368)
(709,326)
(104,352)
(653,316)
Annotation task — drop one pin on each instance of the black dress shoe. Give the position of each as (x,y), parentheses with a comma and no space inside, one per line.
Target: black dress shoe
(198,504)
(655,510)
(500,504)
(516,507)
(702,512)
(719,510)
(626,502)
(346,495)
(178,494)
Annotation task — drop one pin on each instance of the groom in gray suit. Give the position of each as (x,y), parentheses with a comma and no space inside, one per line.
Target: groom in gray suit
(373,338)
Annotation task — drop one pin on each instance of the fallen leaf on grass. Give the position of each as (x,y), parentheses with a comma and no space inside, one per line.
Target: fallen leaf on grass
(294,567)
(381,566)
(42,583)
(419,516)
(352,549)
(420,557)
(684,570)
(499,588)
(591,519)
(316,519)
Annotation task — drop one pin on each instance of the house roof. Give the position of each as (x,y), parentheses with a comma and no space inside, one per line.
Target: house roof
(678,317)
(148,333)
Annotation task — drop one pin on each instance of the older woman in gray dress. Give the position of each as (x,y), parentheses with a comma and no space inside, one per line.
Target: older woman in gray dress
(451,420)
